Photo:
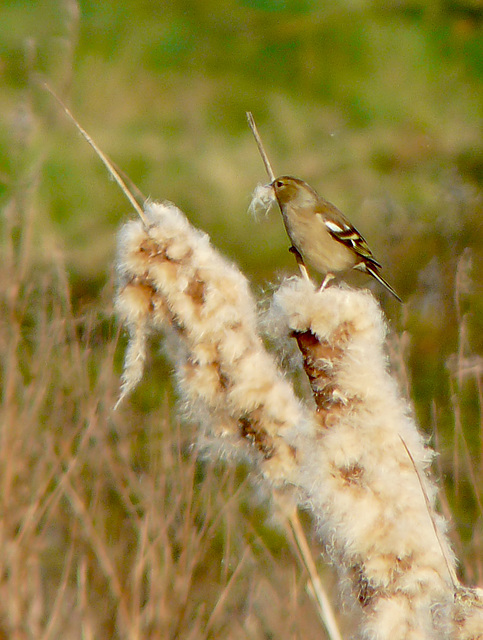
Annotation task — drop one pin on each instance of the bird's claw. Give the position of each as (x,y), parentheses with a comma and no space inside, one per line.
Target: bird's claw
(327,279)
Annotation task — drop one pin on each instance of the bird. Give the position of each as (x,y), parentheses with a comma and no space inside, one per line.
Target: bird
(321,235)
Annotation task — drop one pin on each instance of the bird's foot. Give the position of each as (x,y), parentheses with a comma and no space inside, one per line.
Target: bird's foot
(301,264)
(327,279)
(304,272)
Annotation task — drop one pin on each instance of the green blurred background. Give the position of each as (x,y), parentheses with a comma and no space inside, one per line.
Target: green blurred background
(377,104)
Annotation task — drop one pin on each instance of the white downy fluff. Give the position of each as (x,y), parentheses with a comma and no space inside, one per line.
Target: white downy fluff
(171,278)
(348,461)
(263,198)
(360,481)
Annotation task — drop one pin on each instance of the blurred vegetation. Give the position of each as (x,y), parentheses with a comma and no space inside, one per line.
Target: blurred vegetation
(376,104)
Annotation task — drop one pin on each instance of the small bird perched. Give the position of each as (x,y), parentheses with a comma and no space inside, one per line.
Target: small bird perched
(321,234)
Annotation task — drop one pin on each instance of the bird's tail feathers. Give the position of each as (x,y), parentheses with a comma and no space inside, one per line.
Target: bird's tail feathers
(373,271)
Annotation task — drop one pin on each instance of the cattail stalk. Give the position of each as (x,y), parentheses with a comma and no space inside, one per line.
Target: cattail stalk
(355,459)
(172,279)
(361,483)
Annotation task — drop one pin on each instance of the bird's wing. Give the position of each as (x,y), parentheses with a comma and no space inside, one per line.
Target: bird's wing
(341,230)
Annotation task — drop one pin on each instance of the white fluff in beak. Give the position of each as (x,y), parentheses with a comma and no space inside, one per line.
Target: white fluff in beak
(262,200)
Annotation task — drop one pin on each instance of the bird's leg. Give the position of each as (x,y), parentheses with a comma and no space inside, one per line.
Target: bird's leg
(327,279)
(301,263)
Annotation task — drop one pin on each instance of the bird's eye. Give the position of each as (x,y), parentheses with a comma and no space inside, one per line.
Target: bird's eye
(278,184)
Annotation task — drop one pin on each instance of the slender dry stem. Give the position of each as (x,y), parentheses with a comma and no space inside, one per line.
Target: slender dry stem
(324,605)
(101,155)
(261,148)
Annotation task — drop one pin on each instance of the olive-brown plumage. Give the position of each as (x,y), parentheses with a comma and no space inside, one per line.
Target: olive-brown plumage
(321,234)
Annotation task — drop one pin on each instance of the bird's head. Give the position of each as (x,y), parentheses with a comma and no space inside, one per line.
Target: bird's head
(289,190)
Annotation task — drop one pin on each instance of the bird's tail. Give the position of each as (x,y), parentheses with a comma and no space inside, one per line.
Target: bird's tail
(372,270)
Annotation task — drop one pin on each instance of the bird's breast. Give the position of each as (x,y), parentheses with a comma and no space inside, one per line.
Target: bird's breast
(310,237)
